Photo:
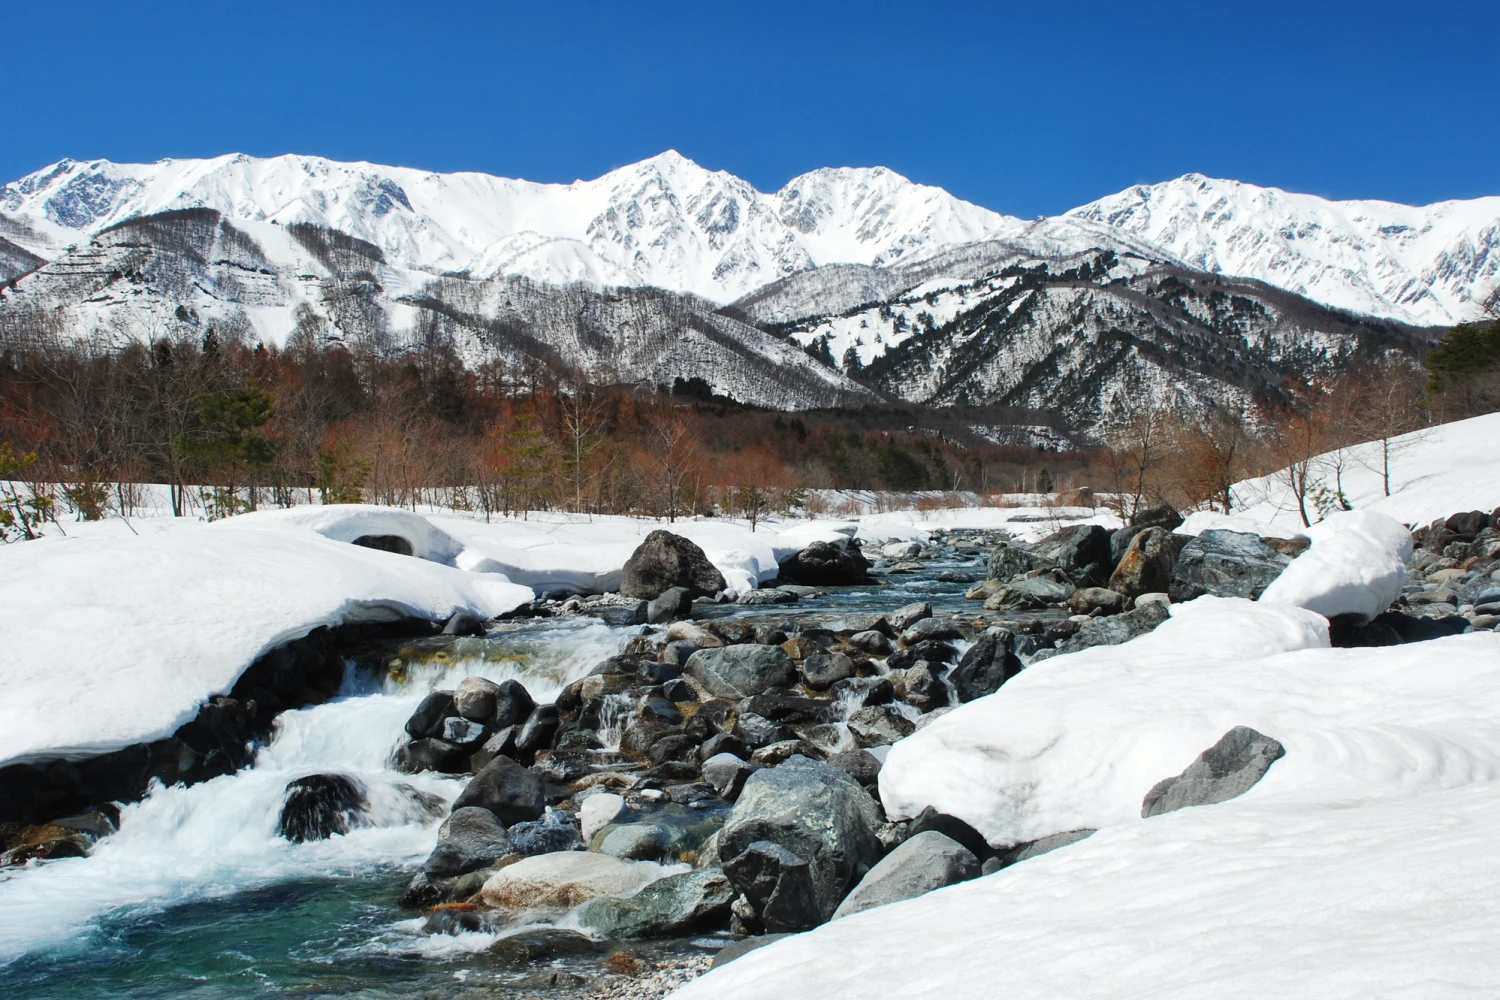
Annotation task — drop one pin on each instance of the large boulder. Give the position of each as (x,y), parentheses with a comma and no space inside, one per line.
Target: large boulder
(507,789)
(320,805)
(1110,631)
(1145,566)
(1225,564)
(1161,516)
(923,863)
(427,720)
(741,671)
(670,907)
(664,561)
(823,564)
(986,665)
(1223,771)
(1034,593)
(472,839)
(1012,560)
(1080,551)
(561,881)
(796,839)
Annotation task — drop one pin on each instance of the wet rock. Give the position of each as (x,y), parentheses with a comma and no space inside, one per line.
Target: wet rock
(669,907)
(664,561)
(761,598)
(931,630)
(618,615)
(824,564)
(871,641)
(954,576)
(462,733)
(457,918)
(463,624)
(512,792)
(865,690)
(1225,770)
(557,830)
(861,765)
(852,624)
(1145,566)
(876,725)
(925,862)
(796,839)
(823,670)
(1225,564)
(427,720)
(540,944)
(501,744)
(600,810)
(791,709)
(905,617)
(924,687)
(741,671)
(985,666)
(672,747)
(758,731)
(1112,631)
(513,705)
(432,755)
(670,605)
(475,699)
(930,650)
(677,691)
(563,880)
(908,566)
(734,631)
(320,805)
(1033,593)
(473,838)
(538,731)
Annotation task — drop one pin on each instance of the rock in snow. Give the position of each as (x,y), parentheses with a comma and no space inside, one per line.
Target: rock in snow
(1223,771)
(925,862)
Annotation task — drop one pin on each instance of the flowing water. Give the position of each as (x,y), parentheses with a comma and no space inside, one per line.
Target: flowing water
(197,895)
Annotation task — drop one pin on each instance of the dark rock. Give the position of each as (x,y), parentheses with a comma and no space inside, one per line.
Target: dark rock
(1051,587)
(1111,631)
(1162,516)
(463,624)
(758,731)
(540,944)
(868,690)
(385,543)
(823,670)
(788,708)
(513,793)
(878,725)
(456,920)
(557,830)
(741,671)
(462,733)
(1081,551)
(824,564)
(475,699)
(1468,524)
(924,685)
(432,755)
(427,720)
(618,615)
(796,839)
(734,631)
(652,672)
(664,561)
(951,827)
(872,642)
(1225,564)
(924,862)
(769,635)
(931,630)
(761,598)
(674,746)
(1036,848)
(670,605)
(1223,771)
(472,839)
(1145,566)
(954,576)
(678,691)
(669,907)
(723,743)
(1420,628)
(861,765)
(658,709)
(852,624)
(727,772)
(905,617)
(538,731)
(320,805)
(928,649)
(985,666)
(501,744)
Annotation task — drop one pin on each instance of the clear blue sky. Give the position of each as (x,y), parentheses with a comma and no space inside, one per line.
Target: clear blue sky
(1026,108)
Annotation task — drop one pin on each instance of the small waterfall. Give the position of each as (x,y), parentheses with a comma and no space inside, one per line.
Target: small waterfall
(615,715)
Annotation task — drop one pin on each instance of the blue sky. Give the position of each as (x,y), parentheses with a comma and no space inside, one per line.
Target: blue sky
(1027,108)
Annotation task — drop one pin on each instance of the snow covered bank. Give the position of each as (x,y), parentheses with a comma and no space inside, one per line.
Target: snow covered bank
(1355,566)
(1361,864)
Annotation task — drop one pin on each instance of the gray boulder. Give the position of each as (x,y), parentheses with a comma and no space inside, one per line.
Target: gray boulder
(670,605)
(557,830)
(1111,630)
(923,863)
(1145,565)
(1225,564)
(727,774)
(760,598)
(462,733)
(986,665)
(908,615)
(741,671)
(744,946)
(940,629)
(512,792)
(427,720)
(472,839)
(1087,600)
(664,561)
(1080,551)
(823,670)
(1051,587)
(823,564)
(670,907)
(513,704)
(475,698)
(870,641)
(877,725)
(1223,771)
(1036,848)
(1012,560)
(796,839)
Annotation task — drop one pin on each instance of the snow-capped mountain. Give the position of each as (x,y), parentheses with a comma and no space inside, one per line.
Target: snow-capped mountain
(1434,265)
(663,222)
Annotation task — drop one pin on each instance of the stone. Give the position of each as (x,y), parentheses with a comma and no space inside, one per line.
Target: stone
(320,805)
(1010,561)
(1225,564)
(538,944)
(1081,551)
(618,615)
(670,907)
(672,747)
(665,560)
(954,576)
(557,830)
(432,755)
(761,598)
(928,649)
(951,827)
(512,792)
(1111,631)
(538,731)
(931,629)
(876,725)
(823,670)
(872,642)
(513,704)
(1036,848)
(561,881)
(861,765)
(1097,601)
(463,623)
(759,731)
(1049,587)
(985,666)
(1145,566)
(598,811)
(824,564)
(722,743)
(924,687)
(670,605)
(475,699)
(427,720)
(727,774)
(741,671)
(775,753)
(744,946)
(909,566)
(1225,770)
(925,862)
(905,617)
(896,551)
(462,733)
(857,623)
(1468,524)
(472,839)
(796,839)
(501,744)
(677,652)
(678,691)
(733,631)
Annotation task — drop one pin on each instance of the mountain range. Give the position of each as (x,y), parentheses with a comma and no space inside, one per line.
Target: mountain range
(847,286)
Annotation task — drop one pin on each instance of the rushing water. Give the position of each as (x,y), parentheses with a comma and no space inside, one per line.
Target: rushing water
(197,895)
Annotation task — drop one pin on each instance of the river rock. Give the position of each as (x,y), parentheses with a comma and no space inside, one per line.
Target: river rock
(513,704)
(1036,848)
(1080,551)
(561,881)
(432,755)
(427,720)
(475,699)
(320,805)
(924,687)
(512,792)
(538,731)
(796,839)
(936,629)
(670,907)
(670,605)
(1145,565)
(472,839)
(821,671)
(462,733)
(905,617)
(598,811)
(1096,600)
(761,598)
(741,671)
(1111,631)
(664,561)
(1033,593)
(557,830)
(1225,564)
(744,946)
(872,642)
(986,665)
(824,564)
(876,725)
(1225,770)
(923,863)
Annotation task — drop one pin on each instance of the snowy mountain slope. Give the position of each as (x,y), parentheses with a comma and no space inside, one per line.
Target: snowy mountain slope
(1434,264)
(665,222)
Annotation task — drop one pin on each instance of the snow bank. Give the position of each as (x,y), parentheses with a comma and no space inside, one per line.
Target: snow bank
(1355,566)
(1026,524)
(1077,740)
(1200,521)
(114,641)
(1361,865)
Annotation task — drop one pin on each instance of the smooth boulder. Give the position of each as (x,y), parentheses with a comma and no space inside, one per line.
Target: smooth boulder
(741,671)
(507,789)
(1225,770)
(824,564)
(1225,564)
(472,839)
(923,863)
(664,561)
(562,881)
(670,907)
